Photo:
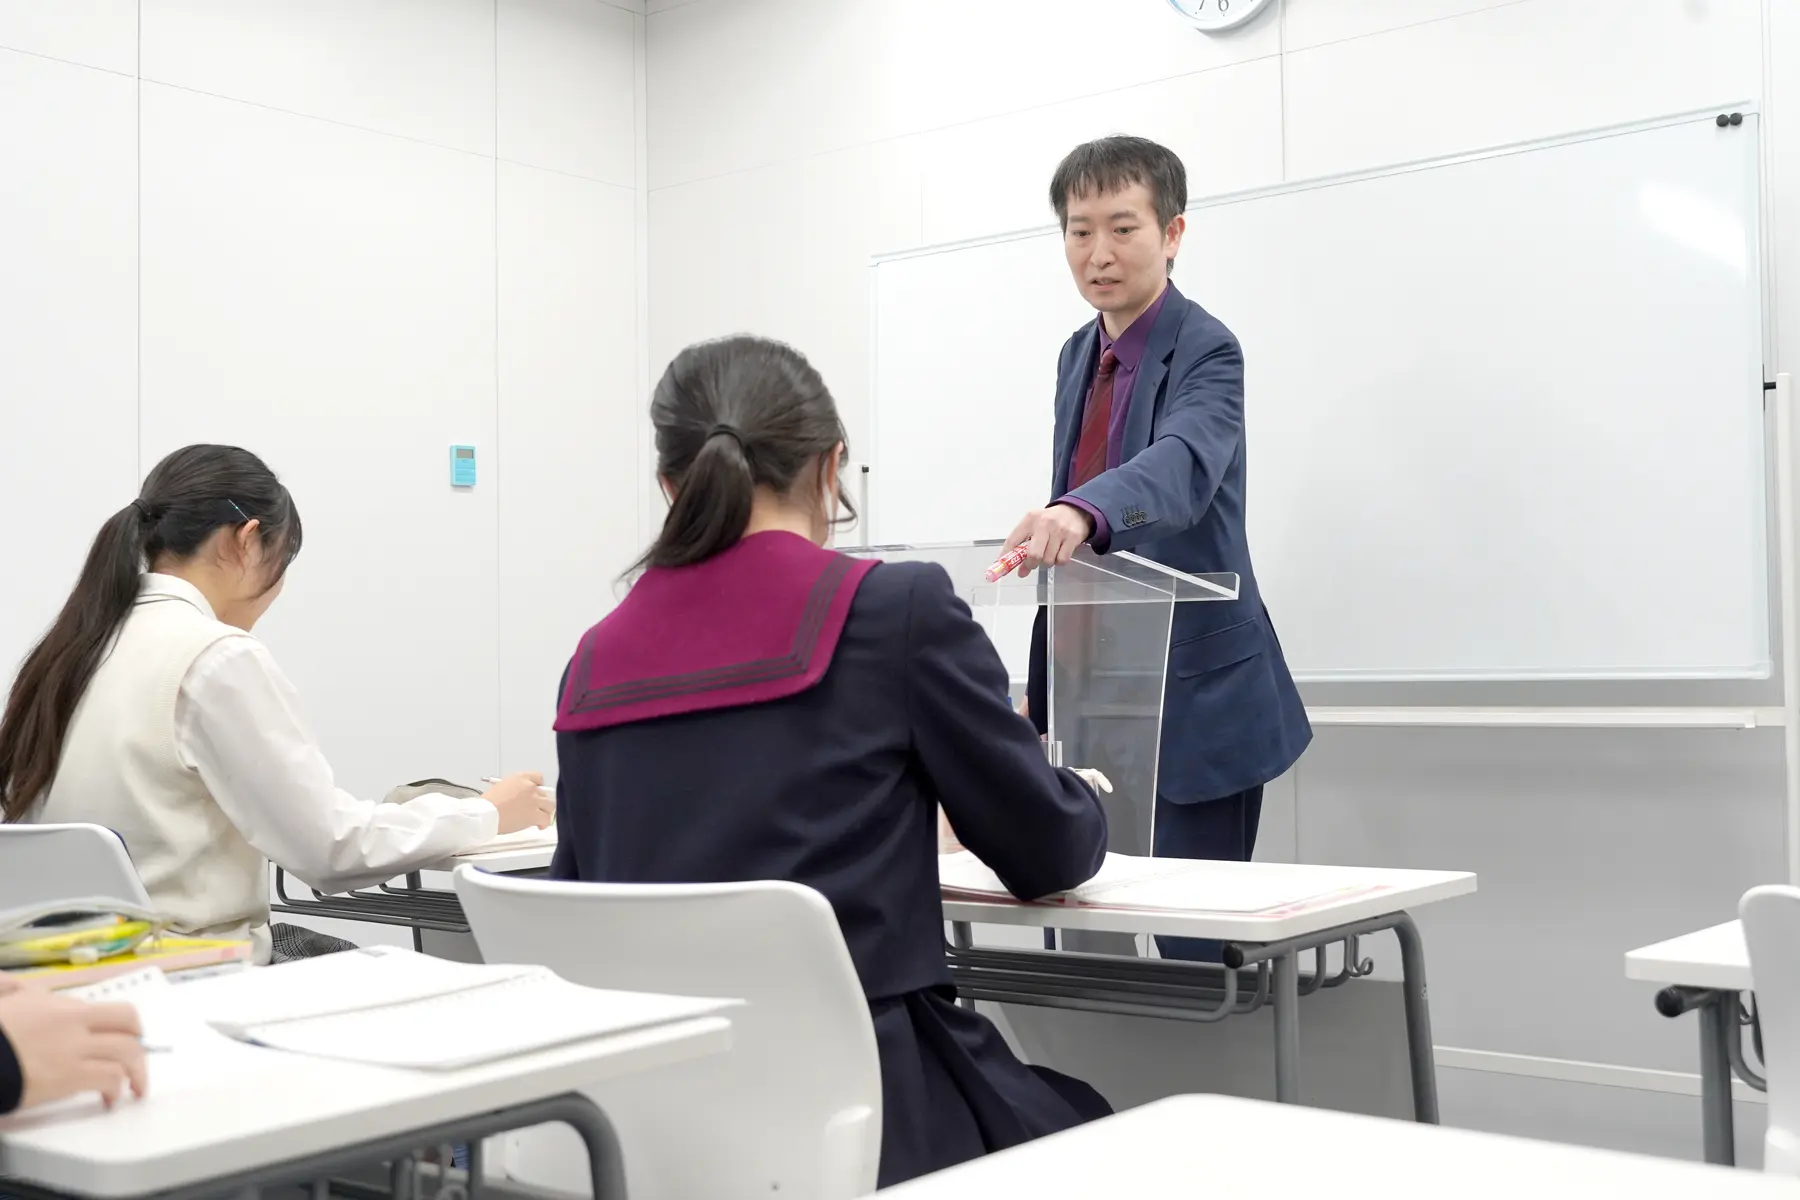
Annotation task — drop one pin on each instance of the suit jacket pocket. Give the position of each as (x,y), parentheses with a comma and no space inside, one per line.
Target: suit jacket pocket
(1220,648)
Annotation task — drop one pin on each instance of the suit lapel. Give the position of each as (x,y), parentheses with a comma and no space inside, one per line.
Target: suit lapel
(1071,390)
(1141,419)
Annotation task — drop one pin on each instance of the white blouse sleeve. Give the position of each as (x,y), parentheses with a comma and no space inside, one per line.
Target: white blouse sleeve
(237,722)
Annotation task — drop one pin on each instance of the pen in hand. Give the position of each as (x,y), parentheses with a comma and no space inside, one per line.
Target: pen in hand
(491,780)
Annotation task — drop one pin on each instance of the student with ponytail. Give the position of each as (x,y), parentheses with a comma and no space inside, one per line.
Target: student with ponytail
(150,709)
(759,707)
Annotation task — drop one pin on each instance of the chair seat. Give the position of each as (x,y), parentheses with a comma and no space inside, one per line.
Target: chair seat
(794,1110)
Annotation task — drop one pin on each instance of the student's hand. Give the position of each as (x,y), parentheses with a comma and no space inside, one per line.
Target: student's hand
(1094,779)
(1050,536)
(948,842)
(522,801)
(66,1047)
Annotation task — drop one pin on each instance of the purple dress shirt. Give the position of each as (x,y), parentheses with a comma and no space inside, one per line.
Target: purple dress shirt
(1129,349)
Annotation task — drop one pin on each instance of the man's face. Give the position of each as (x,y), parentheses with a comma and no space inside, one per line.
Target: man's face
(1117,252)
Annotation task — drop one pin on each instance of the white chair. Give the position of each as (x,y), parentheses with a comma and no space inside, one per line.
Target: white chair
(65,862)
(1772,932)
(792,1111)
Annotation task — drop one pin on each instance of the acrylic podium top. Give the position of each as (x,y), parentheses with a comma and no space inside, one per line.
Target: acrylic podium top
(1119,578)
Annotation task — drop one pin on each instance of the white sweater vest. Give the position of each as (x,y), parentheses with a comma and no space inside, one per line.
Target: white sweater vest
(120,768)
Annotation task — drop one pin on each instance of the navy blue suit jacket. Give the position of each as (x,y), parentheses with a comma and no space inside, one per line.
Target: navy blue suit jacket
(1232,717)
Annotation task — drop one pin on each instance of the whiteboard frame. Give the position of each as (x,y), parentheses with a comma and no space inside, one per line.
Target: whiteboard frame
(1411,166)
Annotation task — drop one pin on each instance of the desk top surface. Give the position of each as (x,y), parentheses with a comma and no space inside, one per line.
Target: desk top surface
(218,1107)
(1707,958)
(1371,892)
(1129,1155)
(1384,890)
(528,858)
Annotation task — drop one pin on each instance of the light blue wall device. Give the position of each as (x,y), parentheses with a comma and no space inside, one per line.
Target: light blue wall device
(462,466)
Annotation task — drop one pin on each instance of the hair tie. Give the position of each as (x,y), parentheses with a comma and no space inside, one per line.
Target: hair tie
(143,511)
(729,432)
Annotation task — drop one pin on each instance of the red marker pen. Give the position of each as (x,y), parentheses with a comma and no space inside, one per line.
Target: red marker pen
(1006,564)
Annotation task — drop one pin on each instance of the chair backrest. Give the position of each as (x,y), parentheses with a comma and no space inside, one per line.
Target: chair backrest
(1772,932)
(792,1111)
(65,862)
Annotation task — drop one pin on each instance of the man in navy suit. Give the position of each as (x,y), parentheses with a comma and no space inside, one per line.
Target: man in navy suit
(1149,457)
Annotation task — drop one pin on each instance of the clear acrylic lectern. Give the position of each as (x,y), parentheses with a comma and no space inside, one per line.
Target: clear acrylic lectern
(1108,619)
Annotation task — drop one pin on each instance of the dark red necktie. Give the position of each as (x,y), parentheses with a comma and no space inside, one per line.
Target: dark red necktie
(1096,421)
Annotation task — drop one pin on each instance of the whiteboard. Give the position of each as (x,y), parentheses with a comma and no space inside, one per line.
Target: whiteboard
(1504,412)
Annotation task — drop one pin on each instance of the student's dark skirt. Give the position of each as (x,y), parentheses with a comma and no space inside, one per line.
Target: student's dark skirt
(291,943)
(952,1090)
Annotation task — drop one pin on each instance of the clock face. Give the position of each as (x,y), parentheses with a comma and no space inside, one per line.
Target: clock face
(1214,15)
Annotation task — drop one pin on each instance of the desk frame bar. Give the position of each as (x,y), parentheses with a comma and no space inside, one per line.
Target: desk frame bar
(606,1165)
(413,906)
(1180,990)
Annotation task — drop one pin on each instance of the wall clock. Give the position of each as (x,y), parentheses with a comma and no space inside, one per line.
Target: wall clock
(1216,16)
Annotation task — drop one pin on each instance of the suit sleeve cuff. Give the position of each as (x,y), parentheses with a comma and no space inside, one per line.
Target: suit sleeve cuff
(1102,535)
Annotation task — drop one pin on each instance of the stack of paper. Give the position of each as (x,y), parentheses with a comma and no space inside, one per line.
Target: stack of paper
(518,839)
(182,1052)
(1168,884)
(393,1007)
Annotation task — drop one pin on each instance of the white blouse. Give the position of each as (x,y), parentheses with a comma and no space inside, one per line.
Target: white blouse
(238,723)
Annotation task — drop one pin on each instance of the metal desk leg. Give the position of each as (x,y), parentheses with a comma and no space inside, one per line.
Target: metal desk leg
(1418,1022)
(606,1164)
(1287,1028)
(1720,1138)
(401,1177)
(415,882)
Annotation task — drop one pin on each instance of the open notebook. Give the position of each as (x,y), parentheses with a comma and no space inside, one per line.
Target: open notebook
(1174,884)
(392,1007)
(184,1053)
(529,838)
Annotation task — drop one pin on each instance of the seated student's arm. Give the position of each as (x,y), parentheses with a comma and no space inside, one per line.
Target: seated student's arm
(565,863)
(1039,827)
(53,1047)
(12,1080)
(237,721)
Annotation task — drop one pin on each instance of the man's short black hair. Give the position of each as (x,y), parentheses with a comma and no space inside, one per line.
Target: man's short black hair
(1112,164)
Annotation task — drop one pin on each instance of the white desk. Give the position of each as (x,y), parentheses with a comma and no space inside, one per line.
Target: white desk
(1710,958)
(1375,892)
(502,862)
(1706,971)
(222,1116)
(1378,899)
(1301,1152)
